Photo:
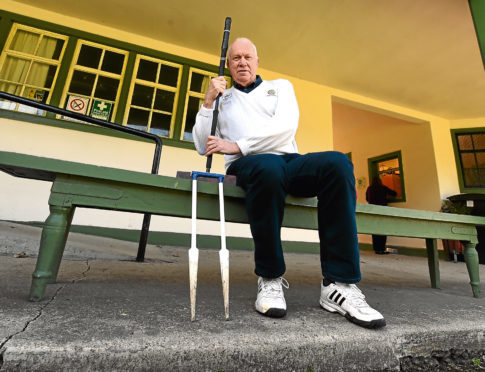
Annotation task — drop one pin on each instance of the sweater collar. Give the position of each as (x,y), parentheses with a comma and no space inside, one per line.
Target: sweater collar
(250,87)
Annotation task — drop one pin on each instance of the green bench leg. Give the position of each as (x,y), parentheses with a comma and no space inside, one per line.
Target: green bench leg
(433,262)
(52,243)
(471,260)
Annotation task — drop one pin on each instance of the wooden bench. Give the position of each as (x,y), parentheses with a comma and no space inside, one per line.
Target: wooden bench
(83,185)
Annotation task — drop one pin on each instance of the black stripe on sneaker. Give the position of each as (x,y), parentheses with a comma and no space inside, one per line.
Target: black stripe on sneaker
(341,301)
(336,298)
(333,294)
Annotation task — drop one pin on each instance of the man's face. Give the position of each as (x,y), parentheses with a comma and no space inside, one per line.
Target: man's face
(243,62)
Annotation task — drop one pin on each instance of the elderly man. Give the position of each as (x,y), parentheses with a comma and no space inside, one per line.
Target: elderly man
(258,120)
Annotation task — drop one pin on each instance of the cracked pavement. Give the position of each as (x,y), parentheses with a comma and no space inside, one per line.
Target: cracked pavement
(107,312)
(33,310)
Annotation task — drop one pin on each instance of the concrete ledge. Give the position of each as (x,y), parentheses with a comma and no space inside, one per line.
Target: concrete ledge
(107,312)
(364,352)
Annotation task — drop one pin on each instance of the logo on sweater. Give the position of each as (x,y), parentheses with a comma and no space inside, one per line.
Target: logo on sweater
(271,92)
(226,97)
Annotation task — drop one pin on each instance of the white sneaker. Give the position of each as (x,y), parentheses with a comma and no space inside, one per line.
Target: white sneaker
(271,299)
(349,301)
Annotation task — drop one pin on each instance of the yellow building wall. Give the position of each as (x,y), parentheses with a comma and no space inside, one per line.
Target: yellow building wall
(467,123)
(367,135)
(440,134)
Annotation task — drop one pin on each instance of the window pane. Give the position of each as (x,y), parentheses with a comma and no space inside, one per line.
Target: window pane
(390,166)
(160,124)
(82,83)
(41,75)
(465,142)
(50,48)
(35,94)
(14,69)
(192,109)
(481,177)
(24,41)
(471,178)
(164,100)
(113,62)
(481,168)
(480,159)
(393,181)
(24,70)
(479,141)
(197,82)
(142,96)
(106,88)
(11,88)
(147,70)
(138,119)
(89,56)
(51,73)
(168,75)
(468,161)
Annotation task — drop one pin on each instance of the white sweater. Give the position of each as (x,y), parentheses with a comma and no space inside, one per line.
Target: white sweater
(261,121)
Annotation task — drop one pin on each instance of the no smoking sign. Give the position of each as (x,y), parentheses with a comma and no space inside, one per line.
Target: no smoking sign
(77,104)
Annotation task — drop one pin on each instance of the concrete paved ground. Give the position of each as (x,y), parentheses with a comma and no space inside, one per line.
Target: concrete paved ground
(108,312)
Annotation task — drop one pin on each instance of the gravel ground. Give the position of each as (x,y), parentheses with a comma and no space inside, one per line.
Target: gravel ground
(446,360)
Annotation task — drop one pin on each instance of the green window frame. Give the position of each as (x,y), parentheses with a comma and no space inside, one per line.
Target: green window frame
(181,114)
(389,164)
(153,97)
(29,65)
(469,149)
(95,79)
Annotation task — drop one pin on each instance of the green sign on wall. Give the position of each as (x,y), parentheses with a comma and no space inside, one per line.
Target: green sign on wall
(101,109)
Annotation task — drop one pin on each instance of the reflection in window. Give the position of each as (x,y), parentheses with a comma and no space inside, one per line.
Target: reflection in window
(153,96)
(95,80)
(29,65)
(390,174)
(471,149)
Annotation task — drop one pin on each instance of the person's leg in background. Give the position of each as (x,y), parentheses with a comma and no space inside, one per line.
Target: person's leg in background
(379,243)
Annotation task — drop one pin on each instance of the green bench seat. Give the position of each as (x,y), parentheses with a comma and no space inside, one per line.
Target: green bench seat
(83,185)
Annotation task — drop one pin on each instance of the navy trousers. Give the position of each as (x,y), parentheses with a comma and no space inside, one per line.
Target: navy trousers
(268,178)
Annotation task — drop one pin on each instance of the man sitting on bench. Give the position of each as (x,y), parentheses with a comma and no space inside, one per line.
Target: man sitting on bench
(256,131)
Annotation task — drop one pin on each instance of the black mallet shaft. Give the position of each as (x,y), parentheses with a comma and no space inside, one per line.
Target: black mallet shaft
(225,42)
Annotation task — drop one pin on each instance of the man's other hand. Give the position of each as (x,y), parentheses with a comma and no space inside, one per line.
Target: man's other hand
(217,85)
(216,144)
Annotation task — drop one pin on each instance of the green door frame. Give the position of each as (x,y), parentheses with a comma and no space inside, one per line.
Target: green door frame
(372,167)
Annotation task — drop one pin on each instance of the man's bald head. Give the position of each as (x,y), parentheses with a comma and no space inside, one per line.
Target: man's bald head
(243,61)
(241,40)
